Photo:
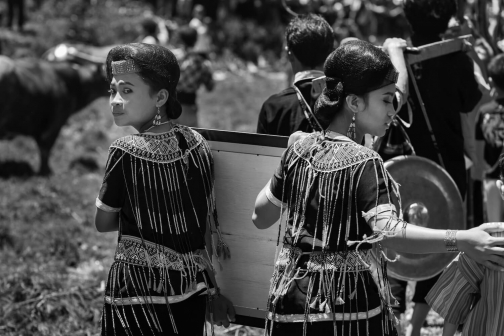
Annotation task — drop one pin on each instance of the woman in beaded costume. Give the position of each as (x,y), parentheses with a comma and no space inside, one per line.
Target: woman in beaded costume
(158,193)
(342,207)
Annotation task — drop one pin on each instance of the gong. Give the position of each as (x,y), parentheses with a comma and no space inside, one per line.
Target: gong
(430,198)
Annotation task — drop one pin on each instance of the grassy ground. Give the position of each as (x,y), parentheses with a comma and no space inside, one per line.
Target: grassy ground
(54,263)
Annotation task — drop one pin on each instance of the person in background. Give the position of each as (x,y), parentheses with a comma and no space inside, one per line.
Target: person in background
(195,71)
(18,7)
(309,40)
(153,31)
(448,88)
(200,22)
(490,122)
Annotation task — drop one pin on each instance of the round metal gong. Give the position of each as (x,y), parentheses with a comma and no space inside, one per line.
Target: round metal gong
(430,198)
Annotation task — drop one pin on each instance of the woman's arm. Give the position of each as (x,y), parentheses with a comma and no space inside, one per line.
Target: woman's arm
(395,47)
(265,212)
(106,221)
(476,242)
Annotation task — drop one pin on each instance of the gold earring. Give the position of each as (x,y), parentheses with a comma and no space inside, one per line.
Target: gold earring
(351,128)
(157,118)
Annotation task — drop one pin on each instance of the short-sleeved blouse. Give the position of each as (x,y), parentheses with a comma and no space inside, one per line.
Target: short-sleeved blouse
(326,271)
(161,186)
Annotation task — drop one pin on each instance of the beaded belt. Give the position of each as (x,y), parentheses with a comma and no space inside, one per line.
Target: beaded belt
(350,261)
(133,250)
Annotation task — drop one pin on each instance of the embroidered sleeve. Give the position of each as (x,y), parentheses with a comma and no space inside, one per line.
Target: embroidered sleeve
(276,191)
(111,196)
(376,193)
(455,292)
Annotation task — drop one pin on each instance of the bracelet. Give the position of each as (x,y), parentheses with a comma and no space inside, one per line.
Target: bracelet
(451,241)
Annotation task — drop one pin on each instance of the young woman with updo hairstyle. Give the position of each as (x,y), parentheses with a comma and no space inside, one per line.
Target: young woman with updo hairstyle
(341,207)
(158,193)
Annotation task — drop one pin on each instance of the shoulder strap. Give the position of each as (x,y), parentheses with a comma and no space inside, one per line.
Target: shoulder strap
(309,115)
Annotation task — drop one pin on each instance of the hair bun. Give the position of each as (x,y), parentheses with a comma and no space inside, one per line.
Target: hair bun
(174,109)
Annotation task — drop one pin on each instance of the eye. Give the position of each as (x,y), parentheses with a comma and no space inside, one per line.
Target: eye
(126,90)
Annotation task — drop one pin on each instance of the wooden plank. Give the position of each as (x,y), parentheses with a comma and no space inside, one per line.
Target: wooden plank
(438,49)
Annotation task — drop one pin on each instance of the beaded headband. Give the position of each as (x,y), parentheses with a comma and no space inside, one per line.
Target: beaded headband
(124,67)
(392,75)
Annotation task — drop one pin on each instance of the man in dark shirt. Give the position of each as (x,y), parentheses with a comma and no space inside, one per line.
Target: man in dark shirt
(447,87)
(309,40)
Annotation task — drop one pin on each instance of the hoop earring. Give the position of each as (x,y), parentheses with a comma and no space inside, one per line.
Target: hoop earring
(157,118)
(351,129)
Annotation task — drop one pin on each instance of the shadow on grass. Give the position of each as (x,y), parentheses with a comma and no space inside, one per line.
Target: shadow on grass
(12,168)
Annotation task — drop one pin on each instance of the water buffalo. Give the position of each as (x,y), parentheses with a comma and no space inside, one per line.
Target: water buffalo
(37,98)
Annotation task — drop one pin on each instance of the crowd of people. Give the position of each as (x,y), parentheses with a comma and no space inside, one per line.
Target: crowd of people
(340,204)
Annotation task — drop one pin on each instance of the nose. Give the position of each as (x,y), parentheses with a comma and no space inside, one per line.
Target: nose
(116,100)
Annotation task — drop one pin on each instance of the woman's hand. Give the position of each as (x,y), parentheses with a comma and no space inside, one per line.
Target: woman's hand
(481,247)
(394,44)
(222,311)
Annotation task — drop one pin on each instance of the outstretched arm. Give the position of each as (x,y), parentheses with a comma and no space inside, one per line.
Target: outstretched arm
(476,242)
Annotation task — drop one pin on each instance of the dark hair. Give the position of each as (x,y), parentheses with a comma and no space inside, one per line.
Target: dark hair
(357,67)
(159,69)
(496,71)
(310,38)
(429,17)
(188,36)
(150,26)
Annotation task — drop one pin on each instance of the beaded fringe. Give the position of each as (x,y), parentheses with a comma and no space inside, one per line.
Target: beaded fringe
(160,185)
(332,288)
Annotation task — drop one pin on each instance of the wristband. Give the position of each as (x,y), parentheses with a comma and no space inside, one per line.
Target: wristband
(451,241)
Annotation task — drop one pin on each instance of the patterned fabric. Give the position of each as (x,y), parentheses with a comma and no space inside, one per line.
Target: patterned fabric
(162,187)
(135,252)
(334,155)
(327,270)
(194,72)
(468,293)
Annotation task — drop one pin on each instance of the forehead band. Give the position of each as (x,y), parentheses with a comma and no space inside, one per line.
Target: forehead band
(392,75)
(124,67)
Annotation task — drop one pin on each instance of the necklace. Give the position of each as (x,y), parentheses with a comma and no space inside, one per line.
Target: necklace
(163,123)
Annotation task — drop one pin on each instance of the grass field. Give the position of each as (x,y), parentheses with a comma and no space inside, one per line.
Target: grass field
(54,263)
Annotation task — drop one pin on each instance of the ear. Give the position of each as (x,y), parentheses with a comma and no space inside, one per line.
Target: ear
(355,103)
(290,55)
(162,97)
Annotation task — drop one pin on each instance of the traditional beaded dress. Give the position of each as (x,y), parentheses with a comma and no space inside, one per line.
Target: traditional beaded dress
(328,278)
(162,187)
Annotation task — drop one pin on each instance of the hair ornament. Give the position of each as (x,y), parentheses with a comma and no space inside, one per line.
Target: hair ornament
(124,67)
